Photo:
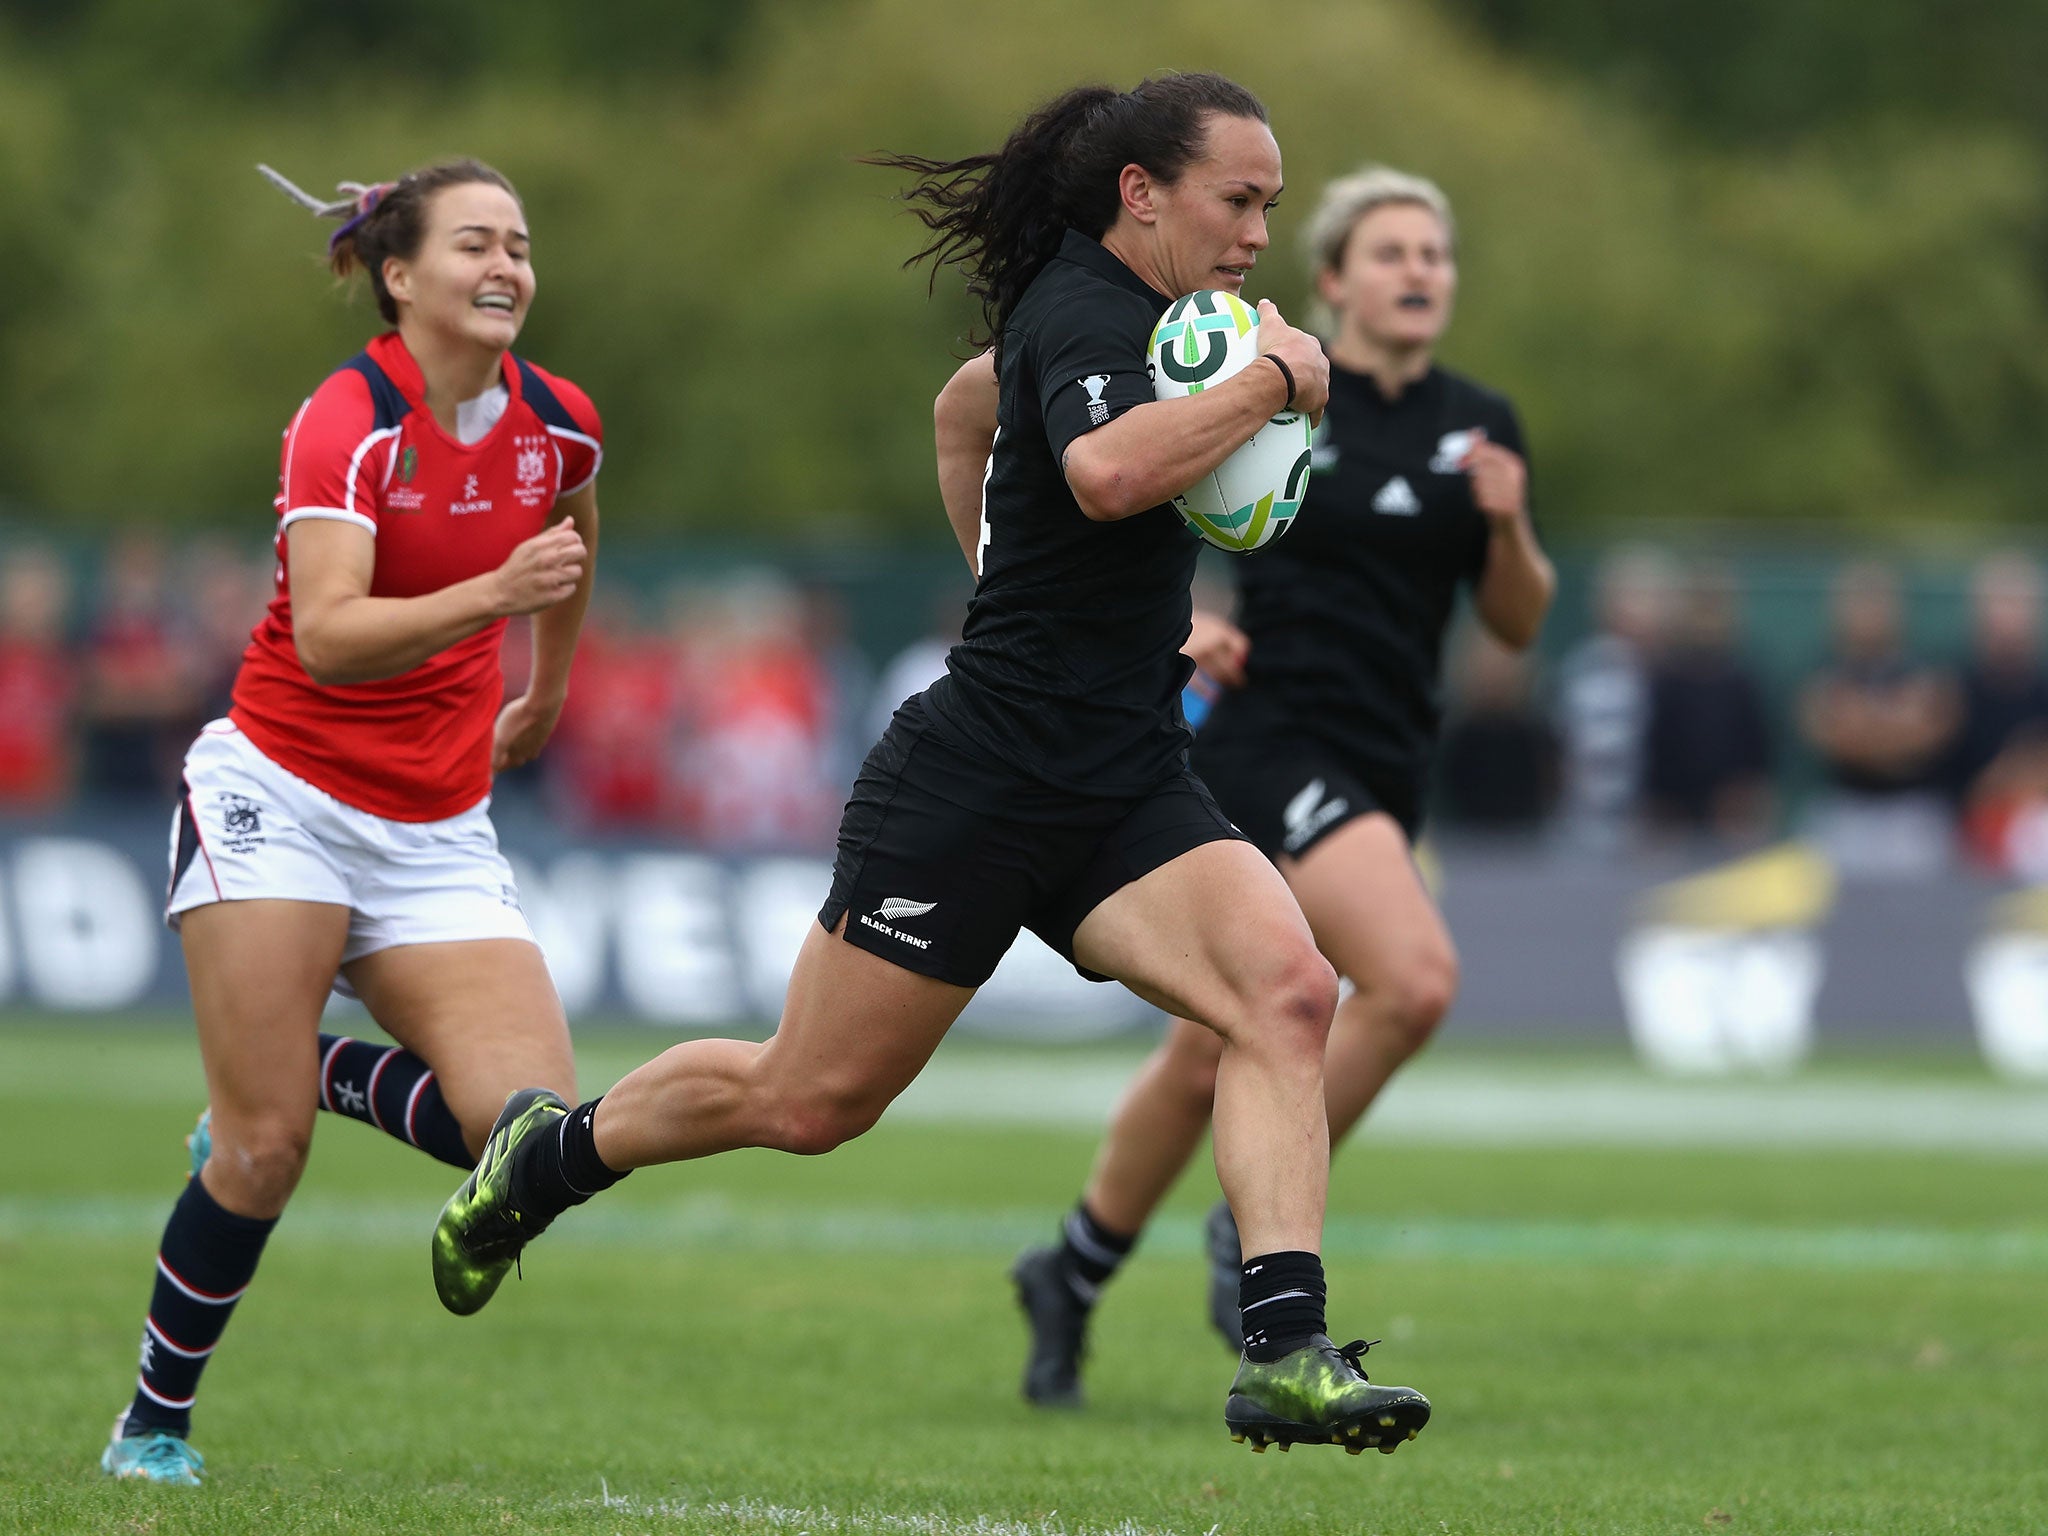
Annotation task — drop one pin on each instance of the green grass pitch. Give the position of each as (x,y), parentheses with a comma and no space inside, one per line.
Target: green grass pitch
(1624,1339)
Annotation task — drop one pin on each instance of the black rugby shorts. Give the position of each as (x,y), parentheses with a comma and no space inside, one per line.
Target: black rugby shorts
(1289,791)
(942,888)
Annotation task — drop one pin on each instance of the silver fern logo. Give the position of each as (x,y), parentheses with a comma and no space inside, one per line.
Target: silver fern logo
(896,908)
(1303,805)
(1310,813)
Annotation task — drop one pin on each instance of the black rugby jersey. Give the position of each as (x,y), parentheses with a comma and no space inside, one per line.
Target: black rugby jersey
(1346,614)
(1068,671)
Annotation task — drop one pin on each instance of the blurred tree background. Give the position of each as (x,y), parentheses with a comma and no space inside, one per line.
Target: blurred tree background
(1779,262)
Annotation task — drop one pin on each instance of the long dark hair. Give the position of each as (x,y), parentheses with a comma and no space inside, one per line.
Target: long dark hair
(1000,217)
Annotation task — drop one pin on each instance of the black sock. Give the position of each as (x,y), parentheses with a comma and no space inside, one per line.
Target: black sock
(1281,1296)
(206,1261)
(1090,1253)
(558,1169)
(392,1089)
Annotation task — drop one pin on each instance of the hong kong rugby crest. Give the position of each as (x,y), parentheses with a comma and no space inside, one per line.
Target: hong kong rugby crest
(530,487)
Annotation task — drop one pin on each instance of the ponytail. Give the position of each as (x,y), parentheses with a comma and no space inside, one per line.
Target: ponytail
(1000,217)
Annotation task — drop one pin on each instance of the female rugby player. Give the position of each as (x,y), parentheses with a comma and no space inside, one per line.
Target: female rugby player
(1322,752)
(1042,782)
(335,823)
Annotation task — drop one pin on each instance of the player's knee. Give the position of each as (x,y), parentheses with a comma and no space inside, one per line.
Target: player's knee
(1421,994)
(1295,1002)
(1193,1078)
(819,1121)
(1187,1066)
(259,1164)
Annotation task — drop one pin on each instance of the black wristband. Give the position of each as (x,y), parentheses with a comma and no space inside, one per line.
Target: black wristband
(1286,373)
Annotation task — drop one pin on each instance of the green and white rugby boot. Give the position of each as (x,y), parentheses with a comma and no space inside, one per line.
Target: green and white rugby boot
(154,1456)
(1319,1395)
(482,1229)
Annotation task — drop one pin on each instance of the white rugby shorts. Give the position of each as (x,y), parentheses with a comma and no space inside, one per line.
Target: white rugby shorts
(247,829)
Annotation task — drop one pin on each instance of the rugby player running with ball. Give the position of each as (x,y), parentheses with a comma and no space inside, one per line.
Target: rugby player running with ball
(1319,748)
(336,823)
(1043,782)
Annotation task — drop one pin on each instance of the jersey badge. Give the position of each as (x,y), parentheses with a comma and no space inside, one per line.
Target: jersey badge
(1451,449)
(530,468)
(1397,498)
(471,502)
(408,465)
(1098,408)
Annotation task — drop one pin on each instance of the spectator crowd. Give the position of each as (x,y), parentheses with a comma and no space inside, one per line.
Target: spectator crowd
(1667,728)
(733,715)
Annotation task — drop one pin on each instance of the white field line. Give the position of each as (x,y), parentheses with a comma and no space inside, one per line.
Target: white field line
(714,1224)
(1433,1103)
(1459,1106)
(724,1514)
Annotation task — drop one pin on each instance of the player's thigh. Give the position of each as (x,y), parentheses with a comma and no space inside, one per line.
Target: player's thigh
(1366,903)
(856,1028)
(1213,935)
(483,1013)
(260,972)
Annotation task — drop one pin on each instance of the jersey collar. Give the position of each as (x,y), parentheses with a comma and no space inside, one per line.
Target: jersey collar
(1092,254)
(390,353)
(1412,392)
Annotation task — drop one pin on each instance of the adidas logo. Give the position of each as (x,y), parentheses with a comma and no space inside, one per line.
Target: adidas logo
(1397,498)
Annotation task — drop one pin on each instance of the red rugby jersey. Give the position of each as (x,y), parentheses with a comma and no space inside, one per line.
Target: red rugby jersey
(366,450)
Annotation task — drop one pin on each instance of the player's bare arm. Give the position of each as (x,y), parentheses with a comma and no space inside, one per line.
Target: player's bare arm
(525,723)
(344,635)
(1153,452)
(964,427)
(1514,594)
(1218,647)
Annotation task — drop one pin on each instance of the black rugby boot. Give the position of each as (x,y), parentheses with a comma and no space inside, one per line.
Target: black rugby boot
(1226,1265)
(1058,1320)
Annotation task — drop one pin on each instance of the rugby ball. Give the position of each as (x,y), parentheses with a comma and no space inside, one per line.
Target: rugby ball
(1249,499)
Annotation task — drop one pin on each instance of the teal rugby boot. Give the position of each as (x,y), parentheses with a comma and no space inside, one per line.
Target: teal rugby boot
(1319,1395)
(154,1456)
(482,1229)
(200,1143)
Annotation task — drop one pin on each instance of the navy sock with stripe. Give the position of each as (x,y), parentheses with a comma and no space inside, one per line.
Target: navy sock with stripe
(1090,1253)
(1281,1297)
(389,1087)
(206,1261)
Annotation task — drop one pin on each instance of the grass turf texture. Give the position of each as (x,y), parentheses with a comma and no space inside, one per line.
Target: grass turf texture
(1617,1340)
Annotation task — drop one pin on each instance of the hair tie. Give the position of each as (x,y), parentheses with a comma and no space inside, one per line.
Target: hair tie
(357,202)
(367,199)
